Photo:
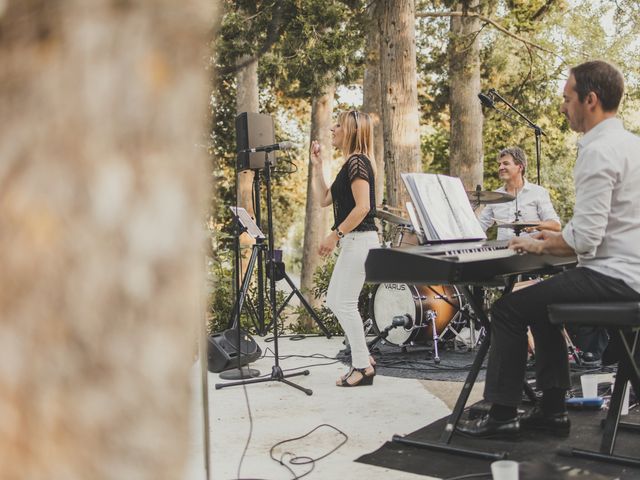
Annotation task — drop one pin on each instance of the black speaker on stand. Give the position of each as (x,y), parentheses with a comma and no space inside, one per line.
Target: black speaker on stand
(254,130)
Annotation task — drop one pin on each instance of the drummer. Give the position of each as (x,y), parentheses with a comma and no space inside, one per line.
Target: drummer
(531,205)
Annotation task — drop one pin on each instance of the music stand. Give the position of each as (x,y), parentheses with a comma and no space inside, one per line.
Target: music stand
(244,223)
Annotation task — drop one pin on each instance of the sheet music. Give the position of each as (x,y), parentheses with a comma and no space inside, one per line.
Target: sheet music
(413,217)
(443,209)
(247,222)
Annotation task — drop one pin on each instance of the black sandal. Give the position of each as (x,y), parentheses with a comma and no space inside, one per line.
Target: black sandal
(364,379)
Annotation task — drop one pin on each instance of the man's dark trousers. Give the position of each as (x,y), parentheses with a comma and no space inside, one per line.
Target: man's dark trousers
(511,315)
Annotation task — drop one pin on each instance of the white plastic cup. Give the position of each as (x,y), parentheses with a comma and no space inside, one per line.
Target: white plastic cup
(504,470)
(589,385)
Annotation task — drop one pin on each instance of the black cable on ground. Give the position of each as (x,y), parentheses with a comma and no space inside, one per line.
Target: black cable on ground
(471,475)
(304,460)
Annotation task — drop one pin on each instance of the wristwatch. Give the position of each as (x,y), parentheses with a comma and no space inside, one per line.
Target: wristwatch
(339,233)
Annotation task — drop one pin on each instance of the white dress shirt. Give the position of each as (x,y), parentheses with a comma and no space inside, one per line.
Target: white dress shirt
(605,228)
(533,203)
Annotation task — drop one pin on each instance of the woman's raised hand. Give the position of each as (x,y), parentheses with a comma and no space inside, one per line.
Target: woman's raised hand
(316,159)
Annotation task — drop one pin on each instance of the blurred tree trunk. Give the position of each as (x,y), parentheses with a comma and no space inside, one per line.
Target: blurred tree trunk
(400,116)
(372,101)
(466,152)
(317,218)
(102,196)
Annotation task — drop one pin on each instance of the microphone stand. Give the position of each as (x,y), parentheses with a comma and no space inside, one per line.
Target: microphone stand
(277,375)
(537,130)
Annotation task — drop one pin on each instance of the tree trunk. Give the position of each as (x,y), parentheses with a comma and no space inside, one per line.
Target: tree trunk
(102,195)
(317,218)
(466,153)
(372,101)
(400,115)
(246,101)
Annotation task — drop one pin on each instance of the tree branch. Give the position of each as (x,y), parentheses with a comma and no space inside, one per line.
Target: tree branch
(492,22)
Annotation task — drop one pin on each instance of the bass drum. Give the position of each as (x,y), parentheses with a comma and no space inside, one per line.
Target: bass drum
(393,299)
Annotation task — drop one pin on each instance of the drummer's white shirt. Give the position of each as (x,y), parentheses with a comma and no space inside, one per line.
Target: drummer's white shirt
(605,228)
(533,203)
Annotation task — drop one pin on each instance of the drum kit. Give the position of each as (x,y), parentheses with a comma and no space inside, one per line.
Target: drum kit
(431,311)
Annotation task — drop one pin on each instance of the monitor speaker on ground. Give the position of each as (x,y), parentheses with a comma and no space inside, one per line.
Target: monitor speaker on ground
(253,130)
(222,350)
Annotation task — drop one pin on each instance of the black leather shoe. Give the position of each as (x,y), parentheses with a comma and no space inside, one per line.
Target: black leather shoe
(535,419)
(487,427)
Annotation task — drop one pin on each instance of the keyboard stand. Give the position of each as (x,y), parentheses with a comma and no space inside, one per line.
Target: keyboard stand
(443,443)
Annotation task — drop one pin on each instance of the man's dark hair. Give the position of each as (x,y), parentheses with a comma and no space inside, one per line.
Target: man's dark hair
(601,78)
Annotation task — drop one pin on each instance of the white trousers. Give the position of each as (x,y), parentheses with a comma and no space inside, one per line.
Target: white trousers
(344,289)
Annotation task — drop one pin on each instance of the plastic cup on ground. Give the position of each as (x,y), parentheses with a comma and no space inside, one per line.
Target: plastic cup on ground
(589,385)
(504,470)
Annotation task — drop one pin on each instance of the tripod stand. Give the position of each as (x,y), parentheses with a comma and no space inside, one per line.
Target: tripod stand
(276,372)
(281,274)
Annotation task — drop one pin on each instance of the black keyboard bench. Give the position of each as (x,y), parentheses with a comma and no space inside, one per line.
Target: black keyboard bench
(622,319)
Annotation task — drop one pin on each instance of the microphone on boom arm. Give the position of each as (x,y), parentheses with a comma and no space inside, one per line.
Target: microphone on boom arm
(270,148)
(487,100)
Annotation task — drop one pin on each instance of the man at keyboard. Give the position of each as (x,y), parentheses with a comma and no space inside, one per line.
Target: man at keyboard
(531,204)
(604,234)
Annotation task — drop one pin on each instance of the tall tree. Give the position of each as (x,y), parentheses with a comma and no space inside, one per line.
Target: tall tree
(246,101)
(400,115)
(316,219)
(466,152)
(372,96)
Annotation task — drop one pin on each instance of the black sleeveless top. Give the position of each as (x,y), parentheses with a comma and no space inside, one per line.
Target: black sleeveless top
(357,166)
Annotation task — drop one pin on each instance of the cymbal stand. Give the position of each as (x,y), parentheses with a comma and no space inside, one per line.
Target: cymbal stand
(431,318)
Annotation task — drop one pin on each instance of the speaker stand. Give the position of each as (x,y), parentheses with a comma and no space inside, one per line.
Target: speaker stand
(277,375)
(239,373)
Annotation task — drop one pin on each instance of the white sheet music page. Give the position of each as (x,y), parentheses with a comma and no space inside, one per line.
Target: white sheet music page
(443,207)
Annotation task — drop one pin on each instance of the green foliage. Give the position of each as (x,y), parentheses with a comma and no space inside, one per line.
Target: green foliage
(322,43)
(222,298)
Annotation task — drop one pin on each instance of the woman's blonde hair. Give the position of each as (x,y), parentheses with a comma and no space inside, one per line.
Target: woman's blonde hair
(357,135)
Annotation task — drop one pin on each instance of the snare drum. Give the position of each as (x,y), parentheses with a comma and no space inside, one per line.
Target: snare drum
(403,236)
(421,302)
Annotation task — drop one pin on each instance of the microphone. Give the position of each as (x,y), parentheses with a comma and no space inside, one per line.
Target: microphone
(270,148)
(486,100)
(402,321)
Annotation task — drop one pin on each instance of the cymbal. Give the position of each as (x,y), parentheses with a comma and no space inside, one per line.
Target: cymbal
(389,208)
(518,225)
(484,196)
(391,218)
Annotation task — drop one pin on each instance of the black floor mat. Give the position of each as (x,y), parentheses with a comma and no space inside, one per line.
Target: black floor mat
(534,447)
(417,361)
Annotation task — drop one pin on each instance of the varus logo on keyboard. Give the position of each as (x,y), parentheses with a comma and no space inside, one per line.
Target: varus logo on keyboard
(395,286)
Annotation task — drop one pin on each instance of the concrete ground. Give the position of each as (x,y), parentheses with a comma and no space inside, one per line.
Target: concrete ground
(256,417)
